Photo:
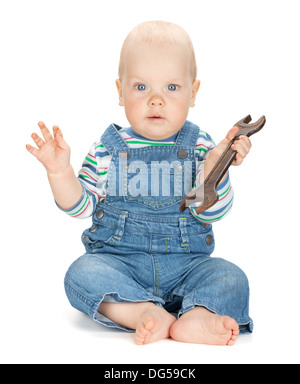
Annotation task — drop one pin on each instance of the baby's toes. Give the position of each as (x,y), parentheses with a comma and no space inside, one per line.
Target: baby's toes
(143,331)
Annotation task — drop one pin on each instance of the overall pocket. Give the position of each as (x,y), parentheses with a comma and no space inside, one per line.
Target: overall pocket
(91,244)
(95,237)
(202,242)
(104,231)
(156,185)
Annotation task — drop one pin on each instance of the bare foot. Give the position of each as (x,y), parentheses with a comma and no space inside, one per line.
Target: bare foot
(154,325)
(200,326)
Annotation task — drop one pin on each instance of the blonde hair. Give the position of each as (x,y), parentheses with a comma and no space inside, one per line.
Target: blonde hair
(159,34)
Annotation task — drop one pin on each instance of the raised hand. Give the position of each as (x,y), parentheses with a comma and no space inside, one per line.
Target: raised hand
(53,152)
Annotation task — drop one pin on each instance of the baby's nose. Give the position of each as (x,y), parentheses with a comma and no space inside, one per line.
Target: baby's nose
(156,101)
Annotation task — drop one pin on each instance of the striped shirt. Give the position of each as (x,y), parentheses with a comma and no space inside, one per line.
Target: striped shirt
(93,175)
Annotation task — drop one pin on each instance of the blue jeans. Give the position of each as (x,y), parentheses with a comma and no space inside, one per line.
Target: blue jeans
(156,261)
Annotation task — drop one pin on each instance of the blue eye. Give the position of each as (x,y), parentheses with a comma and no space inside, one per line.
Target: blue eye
(172,87)
(141,87)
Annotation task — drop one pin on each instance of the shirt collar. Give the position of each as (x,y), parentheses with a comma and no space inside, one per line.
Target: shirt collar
(132,133)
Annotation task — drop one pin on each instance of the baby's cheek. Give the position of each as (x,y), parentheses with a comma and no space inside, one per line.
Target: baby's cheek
(134,112)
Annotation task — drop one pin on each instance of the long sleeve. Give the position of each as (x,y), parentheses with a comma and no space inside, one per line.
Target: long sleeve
(222,207)
(92,177)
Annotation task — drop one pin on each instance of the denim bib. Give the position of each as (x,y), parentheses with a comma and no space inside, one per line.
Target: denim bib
(143,192)
(152,179)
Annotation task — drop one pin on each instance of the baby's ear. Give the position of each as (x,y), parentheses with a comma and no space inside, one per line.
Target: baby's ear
(120,91)
(195,90)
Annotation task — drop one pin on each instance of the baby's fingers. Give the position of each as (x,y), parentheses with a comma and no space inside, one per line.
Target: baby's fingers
(232,133)
(238,159)
(32,150)
(242,146)
(38,141)
(58,136)
(45,131)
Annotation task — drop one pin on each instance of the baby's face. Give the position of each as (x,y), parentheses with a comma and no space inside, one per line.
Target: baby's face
(157,89)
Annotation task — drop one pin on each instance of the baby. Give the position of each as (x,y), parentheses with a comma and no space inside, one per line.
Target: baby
(148,268)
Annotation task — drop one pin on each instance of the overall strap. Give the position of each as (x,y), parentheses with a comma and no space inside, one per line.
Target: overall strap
(188,135)
(112,139)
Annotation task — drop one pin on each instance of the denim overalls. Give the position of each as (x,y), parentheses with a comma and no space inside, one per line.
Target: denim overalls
(141,248)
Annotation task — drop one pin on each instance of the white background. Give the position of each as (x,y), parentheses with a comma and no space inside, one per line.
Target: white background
(59,60)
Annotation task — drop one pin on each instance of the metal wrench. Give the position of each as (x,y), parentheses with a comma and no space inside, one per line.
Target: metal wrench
(207,192)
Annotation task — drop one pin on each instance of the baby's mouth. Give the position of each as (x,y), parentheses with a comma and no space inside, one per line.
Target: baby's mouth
(155,117)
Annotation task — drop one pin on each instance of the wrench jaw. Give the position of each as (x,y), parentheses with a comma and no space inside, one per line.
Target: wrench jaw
(189,199)
(249,129)
(207,200)
(244,122)
(210,199)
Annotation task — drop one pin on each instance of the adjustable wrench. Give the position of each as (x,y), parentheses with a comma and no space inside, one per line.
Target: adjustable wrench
(207,193)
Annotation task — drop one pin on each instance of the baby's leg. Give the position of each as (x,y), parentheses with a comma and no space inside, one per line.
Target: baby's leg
(101,278)
(151,322)
(215,303)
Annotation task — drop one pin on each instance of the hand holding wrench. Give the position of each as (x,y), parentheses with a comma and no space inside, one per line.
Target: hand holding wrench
(209,196)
